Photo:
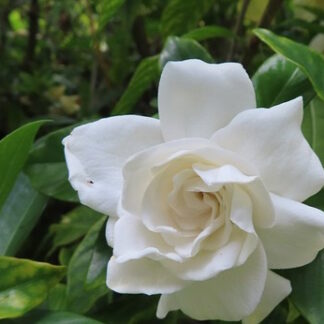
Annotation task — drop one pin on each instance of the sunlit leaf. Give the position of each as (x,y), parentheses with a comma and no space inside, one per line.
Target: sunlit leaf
(25,284)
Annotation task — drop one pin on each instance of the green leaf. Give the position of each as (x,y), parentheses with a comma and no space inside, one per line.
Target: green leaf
(180,16)
(14,149)
(51,179)
(73,225)
(147,72)
(19,215)
(107,10)
(52,317)
(25,284)
(309,61)
(208,32)
(86,279)
(316,112)
(178,49)
(49,148)
(308,289)
(278,80)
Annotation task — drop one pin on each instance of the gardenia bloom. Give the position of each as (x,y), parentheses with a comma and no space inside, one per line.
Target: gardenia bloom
(206,200)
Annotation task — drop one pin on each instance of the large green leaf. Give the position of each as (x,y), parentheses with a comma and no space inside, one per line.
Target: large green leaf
(59,317)
(180,16)
(147,72)
(73,225)
(309,61)
(19,215)
(178,49)
(106,10)
(278,80)
(308,289)
(25,284)
(14,149)
(207,32)
(86,279)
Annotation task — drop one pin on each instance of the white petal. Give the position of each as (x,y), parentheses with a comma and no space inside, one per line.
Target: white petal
(276,289)
(110,226)
(96,152)
(272,140)
(207,264)
(196,98)
(141,276)
(231,296)
(132,240)
(297,235)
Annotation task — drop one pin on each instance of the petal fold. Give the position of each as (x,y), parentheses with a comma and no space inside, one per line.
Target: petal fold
(144,276)
(230,296)
(196,98)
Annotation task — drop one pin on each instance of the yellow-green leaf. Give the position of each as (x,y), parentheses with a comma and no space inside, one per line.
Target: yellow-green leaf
(25,284)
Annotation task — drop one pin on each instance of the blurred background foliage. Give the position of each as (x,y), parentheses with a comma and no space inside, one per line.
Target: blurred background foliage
(70,62)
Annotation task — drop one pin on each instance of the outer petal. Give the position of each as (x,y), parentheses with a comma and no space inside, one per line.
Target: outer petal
(141,276)
(96,152)
(231,296)
(296,237)
(273,141)
(196,98)
(276,289)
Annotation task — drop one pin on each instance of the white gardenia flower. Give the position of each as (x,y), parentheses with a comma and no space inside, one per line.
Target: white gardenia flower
(206,200)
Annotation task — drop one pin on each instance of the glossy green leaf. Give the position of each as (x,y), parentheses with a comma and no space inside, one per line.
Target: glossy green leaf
(58,317)
(136,309)
(73,225)
(278,80)
(56,299)
(51,179)
(146,74)
(49,148)
(106,10)
(47,169)
(25,284)
(309,61)
(19,214)
(14,149)
(180,16)
(86,279)
(316,112)
(178,49)
(208,32)
(308,289)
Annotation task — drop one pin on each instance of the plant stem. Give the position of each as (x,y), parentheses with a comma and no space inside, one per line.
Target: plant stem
(266,19)
(237,29)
